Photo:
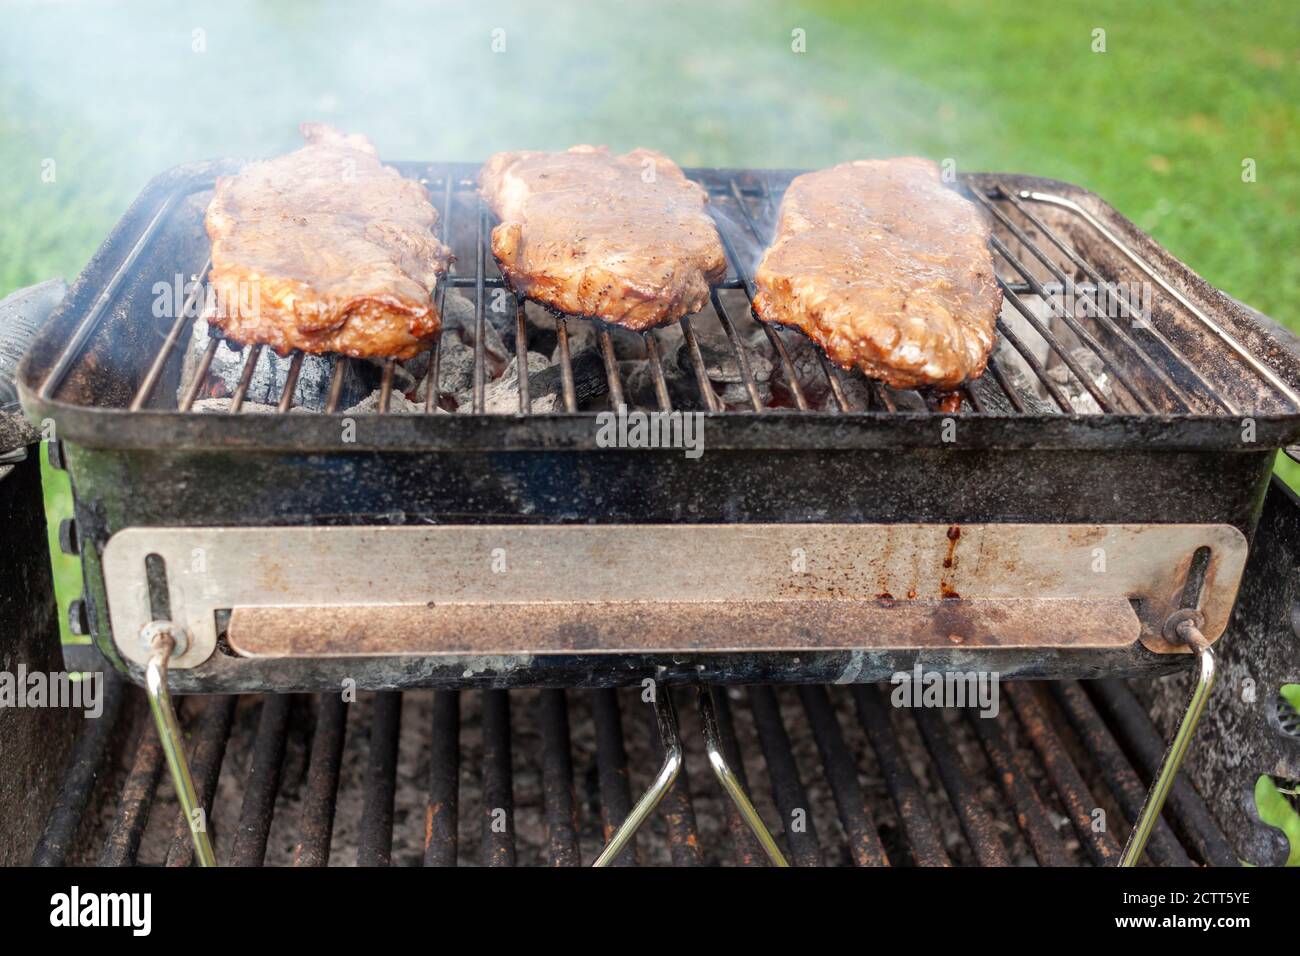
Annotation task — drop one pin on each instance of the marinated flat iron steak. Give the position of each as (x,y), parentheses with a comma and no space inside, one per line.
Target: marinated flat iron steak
(325,250)
(887,270)
(625,239)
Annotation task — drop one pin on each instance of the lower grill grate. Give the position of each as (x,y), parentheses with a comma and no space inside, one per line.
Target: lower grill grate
(528,777)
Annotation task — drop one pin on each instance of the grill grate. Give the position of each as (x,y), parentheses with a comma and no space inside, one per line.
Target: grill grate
(499,778)
(1069,340)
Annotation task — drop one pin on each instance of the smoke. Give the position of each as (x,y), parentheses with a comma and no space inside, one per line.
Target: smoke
(98,98)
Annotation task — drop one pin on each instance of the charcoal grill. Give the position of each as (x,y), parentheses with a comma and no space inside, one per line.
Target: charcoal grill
(1143,423)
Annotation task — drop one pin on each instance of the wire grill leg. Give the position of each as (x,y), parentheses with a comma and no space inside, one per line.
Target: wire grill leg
(1164,780)
(169,732)
(727,777)
(672,741)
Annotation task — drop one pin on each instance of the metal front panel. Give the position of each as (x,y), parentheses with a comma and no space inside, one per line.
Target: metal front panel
(903,585)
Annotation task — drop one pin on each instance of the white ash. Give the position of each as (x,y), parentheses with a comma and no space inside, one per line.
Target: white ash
(1078,394)
(398,404)
(502,396)
(272,372)
(222,406)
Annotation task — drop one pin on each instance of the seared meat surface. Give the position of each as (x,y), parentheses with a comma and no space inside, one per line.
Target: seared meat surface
(325,250)
(625,239)
(887,270)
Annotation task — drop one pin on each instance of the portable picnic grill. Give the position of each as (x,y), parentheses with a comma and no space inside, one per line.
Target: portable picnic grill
(248,553)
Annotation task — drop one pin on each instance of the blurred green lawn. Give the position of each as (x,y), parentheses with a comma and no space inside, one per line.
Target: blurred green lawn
(1159,123)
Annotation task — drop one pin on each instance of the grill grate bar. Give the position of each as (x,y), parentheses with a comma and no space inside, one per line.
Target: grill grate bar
(1131,722)
(1074,326)
(375,847)
(1099,314)
(711,401)
(386,386)
(611,368)
(923,837)
(200,374)
(521,355)
(316,825)
(73,797)
(787,788)
(742,356)
(123,843)
(995,369)
(1054,390)
(432,379)
(179,325)
(291,382)
(1078,800)
(1112,294)
(1162,847)
(1061,351)
(480,352)
(442,814)
(245,378)
(1012,774)
(498,789)
(559,798)
(336,384)
(612,772)
(263,782)
(657,371)
(976,822)
(566,366)
(865,847)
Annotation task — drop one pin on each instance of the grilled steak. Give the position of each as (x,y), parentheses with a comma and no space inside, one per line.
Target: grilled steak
(887,270)
(325,250)
(625,239)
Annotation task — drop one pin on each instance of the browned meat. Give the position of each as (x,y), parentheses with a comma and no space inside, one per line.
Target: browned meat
(887,270)
(325,250)
(625,239)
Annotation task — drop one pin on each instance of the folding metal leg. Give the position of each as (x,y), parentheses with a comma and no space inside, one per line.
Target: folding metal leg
(672,741)
(729,781)
(1164,780)
(162,643)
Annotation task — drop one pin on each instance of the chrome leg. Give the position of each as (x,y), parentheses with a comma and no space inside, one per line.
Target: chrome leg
(718,761)
(169,732)
(1164,780)
(672,741)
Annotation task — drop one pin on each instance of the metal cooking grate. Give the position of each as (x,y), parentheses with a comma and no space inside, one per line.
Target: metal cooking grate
(1103,354)
(503,777)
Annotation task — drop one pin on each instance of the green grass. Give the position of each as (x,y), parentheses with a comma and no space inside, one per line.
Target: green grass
(1158,124)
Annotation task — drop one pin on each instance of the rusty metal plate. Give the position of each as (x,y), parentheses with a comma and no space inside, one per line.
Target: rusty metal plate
(668,627)
(741,574)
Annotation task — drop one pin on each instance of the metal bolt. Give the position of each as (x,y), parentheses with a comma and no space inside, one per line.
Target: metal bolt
(168,632)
